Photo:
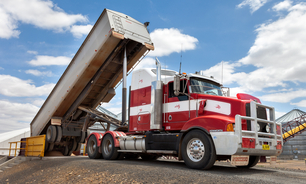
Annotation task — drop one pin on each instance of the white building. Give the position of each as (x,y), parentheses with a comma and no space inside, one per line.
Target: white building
(12,136)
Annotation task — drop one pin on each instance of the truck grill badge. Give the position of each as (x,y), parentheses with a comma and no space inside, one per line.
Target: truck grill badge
(141,81)
(218,107)
(177,106)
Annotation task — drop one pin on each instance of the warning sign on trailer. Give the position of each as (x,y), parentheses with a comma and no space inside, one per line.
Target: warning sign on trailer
(240,160)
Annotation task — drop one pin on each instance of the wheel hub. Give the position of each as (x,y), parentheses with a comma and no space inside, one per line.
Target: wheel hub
(195,149)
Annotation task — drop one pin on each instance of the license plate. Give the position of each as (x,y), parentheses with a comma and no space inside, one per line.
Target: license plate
(239,160)
(265,147)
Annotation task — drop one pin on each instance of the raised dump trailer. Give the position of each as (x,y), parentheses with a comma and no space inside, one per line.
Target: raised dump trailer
(91,78)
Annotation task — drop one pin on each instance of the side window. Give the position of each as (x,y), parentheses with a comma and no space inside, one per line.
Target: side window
(183,88)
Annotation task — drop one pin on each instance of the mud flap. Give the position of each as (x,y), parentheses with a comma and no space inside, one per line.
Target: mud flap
(240,160)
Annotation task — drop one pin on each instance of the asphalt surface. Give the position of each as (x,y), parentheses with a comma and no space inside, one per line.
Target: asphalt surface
(85,170)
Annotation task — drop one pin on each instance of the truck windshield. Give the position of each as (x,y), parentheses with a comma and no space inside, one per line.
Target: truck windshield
(203,86)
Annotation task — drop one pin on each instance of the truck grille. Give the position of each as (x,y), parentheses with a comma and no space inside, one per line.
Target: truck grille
(262,114)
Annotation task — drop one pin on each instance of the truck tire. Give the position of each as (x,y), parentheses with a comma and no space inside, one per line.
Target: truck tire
(78,147)
(92,148)
(109,151)
(66,151)
(73,145)
(51,134)
(253,160)
(50,147)
(59,134)
(198,150)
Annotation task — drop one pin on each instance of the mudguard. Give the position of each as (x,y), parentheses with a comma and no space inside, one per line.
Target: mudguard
(215,123)
(115,135)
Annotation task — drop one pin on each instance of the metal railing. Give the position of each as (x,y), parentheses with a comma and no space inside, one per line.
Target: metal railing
(35,146)
(16,148)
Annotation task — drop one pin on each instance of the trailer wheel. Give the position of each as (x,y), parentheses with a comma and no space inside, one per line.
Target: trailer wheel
(198,150)
(59,134)
(51,134)
(73,145)
(50,147)
(253,160)
(66,151)
(109,151)
(78,147)
(92,148)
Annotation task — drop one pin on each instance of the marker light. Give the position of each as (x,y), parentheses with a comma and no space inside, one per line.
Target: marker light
(230,127)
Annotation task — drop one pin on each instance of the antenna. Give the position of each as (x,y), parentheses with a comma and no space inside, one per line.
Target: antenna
(181,59)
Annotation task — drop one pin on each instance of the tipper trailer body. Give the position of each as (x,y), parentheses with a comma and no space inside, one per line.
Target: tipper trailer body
(91,78)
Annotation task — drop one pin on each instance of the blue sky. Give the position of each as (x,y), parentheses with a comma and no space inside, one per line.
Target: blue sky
(260,43)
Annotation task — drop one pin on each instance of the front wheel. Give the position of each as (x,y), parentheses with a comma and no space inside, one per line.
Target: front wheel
(198,150)
(109,151)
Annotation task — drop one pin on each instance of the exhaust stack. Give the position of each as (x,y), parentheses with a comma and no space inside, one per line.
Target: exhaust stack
(157,100)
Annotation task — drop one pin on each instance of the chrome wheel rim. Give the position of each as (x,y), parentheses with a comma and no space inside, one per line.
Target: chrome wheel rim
(92,147)
(195,150)
(107,147)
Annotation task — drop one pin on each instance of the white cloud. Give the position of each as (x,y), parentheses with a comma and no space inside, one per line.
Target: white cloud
(278,56)
(38,102)
(167,41)
(39,73)
(42,60)
(1,68)
(113,107)
(79,30)
(32,52)
(147,62)
(7,25)
(285,5)
(254,4)
(300,104)
(229,75)
(279,114)
(284,97)
(40,13)
(16,115)
(13,86)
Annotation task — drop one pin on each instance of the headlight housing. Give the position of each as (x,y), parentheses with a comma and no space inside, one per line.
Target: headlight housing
(268,129)
(258,127)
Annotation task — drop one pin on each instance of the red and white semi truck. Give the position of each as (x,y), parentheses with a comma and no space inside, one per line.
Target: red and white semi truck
(189,117)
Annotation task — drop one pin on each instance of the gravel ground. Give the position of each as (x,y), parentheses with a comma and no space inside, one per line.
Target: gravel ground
(84,170)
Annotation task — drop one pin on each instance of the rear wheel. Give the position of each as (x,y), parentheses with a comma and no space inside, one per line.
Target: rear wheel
(253,160)
(109,151)
(50,147)
(59,134)
(51,134)
(92,148)
(198,150)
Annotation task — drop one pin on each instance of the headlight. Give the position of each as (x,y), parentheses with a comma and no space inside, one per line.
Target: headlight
(258,127)
(268,128)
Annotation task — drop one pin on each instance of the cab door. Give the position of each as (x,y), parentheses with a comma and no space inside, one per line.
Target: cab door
(176,108)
